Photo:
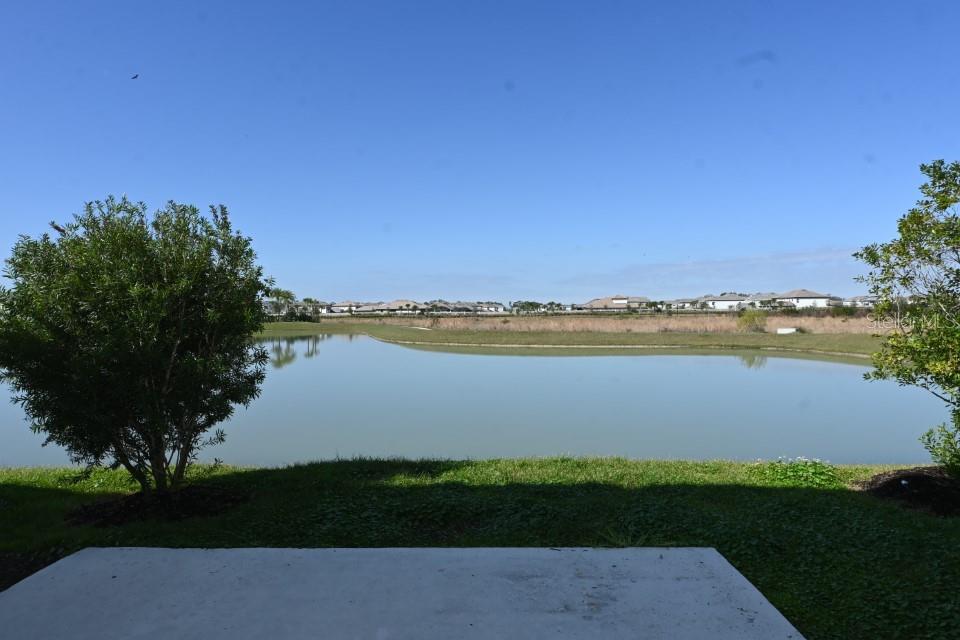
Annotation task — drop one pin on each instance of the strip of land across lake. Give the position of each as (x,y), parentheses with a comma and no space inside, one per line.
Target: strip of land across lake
(853,338)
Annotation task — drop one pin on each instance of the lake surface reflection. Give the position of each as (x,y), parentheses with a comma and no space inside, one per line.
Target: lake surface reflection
(330,396)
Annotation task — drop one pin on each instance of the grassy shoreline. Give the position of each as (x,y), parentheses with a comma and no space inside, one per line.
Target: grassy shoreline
(838,563)
(847,344)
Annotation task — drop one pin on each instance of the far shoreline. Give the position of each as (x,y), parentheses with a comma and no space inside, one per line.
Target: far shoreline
(488,335)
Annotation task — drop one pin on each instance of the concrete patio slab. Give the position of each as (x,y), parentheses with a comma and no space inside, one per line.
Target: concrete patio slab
(386,594)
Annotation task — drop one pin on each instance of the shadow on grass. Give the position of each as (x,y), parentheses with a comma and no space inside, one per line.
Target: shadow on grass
(33,533)
(837,563)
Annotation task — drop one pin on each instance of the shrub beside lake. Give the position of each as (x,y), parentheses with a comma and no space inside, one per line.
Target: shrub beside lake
(752,321)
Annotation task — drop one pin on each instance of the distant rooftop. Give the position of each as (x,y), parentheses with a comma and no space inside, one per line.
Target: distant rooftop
(802,293)
(726,296)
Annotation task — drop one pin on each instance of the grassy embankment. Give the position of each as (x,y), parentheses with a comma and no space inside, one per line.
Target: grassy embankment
(853,344)
(837,562)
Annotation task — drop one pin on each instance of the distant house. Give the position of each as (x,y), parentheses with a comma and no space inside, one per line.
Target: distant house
(401,306)
(367,307)
(347,306)
(760,300)
(861,302)
(461,307)
(682,303)
(806,299)
(273,308)
(438,306)
(723,302)
(489,307)
(614,303)
(312,308)
(442,306)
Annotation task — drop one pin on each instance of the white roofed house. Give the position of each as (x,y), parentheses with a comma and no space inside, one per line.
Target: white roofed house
(272,308)
(682,303)
(614,303)
(438,306)
(861,302)
(761,300)
(489,307)
(443,306)
(402,306)
(806,299)
(311,307)
(723,302)
(346,306)
(367,307)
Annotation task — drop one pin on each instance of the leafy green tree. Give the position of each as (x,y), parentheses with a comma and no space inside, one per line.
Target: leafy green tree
(528,306)
(127,338)
(916,278)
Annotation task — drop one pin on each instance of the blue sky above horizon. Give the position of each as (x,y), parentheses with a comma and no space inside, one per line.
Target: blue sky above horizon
(495,150)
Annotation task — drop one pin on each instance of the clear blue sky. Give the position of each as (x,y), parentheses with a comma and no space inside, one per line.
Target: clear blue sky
(491,150)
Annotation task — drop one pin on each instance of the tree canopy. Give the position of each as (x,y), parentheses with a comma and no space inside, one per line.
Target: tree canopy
(127,337)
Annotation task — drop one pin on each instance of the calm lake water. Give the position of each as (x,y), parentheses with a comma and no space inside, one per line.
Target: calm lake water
(345,396)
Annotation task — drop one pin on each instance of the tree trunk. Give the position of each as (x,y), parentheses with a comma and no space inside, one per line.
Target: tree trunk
(158,466)
(160,484)
(183,457)
(133,470)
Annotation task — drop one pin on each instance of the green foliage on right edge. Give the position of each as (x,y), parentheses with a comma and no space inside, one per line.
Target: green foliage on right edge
(916,278)
(943,443)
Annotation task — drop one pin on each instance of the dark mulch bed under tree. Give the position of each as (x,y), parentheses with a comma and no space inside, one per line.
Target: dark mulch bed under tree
(928,489)
(191,501)
(188,502)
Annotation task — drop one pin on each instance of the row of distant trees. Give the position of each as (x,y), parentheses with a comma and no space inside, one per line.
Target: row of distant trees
(127,338)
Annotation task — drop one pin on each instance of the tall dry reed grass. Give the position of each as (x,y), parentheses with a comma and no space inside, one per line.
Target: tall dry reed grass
(626,324)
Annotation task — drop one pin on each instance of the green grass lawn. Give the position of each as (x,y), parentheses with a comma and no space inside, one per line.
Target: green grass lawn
(838,563)
(841,343)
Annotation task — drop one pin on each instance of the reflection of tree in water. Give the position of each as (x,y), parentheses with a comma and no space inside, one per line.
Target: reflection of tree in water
(283,353)
(753,361)
(284,350)
(312,343)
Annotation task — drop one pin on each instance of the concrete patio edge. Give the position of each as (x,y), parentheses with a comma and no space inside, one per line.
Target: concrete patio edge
(391,593)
